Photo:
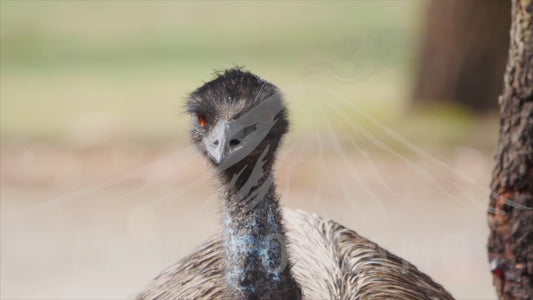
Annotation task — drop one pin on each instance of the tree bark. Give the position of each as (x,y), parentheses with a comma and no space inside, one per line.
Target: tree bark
(463,53)
(510,213)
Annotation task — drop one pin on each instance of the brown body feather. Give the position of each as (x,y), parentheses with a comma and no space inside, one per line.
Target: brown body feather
(328,261)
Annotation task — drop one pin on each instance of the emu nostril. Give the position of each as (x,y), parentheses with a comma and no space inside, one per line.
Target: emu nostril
(215,143)
(234,142)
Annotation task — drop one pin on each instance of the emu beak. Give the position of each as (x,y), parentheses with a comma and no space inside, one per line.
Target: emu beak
(217,142)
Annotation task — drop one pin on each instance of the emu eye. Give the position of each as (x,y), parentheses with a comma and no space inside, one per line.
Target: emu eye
(202,120)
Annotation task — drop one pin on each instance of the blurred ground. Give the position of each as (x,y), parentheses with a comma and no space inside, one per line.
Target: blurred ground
(100,223)
(100,189)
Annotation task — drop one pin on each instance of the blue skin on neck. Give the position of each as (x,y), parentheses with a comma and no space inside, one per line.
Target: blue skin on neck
(254,240)
(252,249)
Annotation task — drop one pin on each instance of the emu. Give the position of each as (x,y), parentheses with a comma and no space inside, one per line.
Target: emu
(266,252)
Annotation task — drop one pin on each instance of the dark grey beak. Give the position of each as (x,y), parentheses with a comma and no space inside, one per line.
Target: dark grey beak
(221,142)
(230,142)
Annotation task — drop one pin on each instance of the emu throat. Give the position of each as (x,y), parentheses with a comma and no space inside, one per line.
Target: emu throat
(256,247)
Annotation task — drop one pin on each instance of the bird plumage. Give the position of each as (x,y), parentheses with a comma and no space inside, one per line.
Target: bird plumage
(328,261)
(265,252)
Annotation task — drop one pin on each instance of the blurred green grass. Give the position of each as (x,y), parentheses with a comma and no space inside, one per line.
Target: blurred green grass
(90,72)
(125,34)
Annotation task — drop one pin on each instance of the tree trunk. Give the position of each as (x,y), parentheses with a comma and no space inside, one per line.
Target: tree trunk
(463,53)
(510,212)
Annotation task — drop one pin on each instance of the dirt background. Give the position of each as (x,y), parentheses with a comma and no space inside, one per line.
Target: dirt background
(100,223)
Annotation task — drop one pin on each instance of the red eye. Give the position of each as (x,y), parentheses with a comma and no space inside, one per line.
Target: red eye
(202,120)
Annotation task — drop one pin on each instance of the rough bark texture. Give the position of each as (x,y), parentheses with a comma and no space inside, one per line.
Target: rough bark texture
(510,211)
(463,53)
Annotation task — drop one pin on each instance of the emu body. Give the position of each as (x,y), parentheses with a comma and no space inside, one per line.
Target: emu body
(264,252)
(328,261)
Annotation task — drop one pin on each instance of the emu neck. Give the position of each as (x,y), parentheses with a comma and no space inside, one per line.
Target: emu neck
(256,252)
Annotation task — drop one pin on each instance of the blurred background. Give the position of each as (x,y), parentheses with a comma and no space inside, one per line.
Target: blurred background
(394,124)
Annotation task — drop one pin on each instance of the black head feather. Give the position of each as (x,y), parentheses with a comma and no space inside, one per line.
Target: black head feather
(243,100)
(231,87)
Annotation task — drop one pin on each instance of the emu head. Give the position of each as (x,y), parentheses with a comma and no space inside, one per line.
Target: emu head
(237,118)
